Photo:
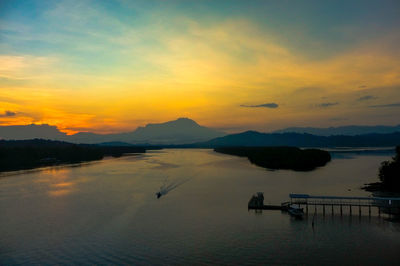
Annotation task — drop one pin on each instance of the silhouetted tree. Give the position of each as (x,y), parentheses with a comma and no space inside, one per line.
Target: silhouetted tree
(389,172)
(281,157)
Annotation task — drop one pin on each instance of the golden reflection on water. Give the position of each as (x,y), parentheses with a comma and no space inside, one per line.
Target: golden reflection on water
(111,209)
(65,184)
(60,192)
(57,181)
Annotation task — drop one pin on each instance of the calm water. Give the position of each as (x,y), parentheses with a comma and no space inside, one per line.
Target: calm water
(107,213)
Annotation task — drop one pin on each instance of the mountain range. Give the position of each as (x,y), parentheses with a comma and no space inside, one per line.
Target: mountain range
(185,132)
(182,130)
(342,130)
(254,138)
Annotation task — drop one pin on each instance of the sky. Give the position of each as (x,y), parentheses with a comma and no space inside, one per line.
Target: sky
(111,66)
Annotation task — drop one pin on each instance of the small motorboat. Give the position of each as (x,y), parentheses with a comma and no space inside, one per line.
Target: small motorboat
(158,194)
(295,211)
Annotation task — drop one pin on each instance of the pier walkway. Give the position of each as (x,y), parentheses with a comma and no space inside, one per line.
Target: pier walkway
(383,205)
(387,205)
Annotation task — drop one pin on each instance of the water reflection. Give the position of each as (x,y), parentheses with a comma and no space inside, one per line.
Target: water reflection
(106,213)
(56,182)
(46,168)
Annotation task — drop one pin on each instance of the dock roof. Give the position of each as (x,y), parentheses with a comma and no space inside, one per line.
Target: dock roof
(307,196)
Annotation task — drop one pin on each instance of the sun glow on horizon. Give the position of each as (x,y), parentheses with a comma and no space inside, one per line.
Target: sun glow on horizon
(109,67)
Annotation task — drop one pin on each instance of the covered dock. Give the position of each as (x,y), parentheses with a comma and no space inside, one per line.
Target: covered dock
(388,205)
(385,204)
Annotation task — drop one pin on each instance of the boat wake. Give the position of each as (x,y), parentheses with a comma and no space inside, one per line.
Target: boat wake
(165,188)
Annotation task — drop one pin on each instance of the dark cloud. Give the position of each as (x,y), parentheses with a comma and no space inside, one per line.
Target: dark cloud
(8,114)
(265,105)
(385,105)
(325,105)
(367,97)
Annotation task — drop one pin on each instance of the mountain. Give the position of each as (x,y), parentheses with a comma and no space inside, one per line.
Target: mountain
(254,138)
(185,130)
(343,130)
(31,132)
(182,130)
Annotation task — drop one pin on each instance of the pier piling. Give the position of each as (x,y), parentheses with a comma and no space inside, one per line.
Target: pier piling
(388,205)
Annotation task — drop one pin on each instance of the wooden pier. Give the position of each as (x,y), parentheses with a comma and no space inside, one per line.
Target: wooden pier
(383,204)
(330,203)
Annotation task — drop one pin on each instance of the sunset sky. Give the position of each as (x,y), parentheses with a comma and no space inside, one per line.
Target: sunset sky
(111,66)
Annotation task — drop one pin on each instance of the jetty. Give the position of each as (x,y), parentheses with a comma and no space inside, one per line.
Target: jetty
(332,203)
(257,203)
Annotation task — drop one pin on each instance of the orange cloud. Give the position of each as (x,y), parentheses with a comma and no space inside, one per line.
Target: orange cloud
(205,73)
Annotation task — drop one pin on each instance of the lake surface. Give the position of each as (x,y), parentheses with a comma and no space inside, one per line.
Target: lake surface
(107,212)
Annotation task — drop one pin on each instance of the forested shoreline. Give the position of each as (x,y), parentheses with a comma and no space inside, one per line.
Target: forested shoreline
(281,157)
(29,154)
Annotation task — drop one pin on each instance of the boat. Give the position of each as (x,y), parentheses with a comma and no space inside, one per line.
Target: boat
(158,194)
(295,211)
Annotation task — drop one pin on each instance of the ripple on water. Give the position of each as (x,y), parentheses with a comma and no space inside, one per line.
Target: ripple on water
(113,217)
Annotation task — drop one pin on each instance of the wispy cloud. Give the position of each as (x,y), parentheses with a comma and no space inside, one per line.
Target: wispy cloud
(367,97)
(265,105)
(155,63)
(326,105)
(8,114)
(385,105)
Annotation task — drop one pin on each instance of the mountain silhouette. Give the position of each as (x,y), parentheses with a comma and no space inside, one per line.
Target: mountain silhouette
(182,130)
(342,130)
(254,138)
(31,132)
(186,131)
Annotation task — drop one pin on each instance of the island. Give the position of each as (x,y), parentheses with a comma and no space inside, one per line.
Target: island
(29,154)
(292,158)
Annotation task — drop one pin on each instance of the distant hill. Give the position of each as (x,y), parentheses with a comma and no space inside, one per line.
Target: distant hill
(254,138)
(31,132)
(182,130)
(343,130)
(115,144)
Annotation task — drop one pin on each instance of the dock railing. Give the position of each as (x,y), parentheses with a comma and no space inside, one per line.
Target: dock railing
(390,205)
